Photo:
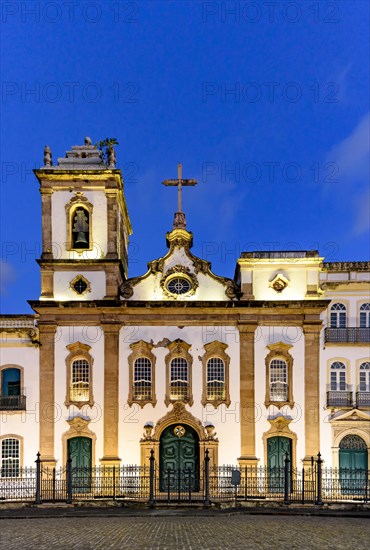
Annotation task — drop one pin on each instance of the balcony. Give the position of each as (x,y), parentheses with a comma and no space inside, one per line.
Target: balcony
(12,402)
(339,398)
(362,399)
(349,335)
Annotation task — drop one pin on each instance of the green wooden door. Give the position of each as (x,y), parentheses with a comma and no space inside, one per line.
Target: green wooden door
(353,464)
(277,447)
(179,459)
(79,449)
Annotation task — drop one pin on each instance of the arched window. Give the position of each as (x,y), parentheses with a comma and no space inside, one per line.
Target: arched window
(278,380)
(179,379)
(364,377)
(338,376)
(142,385)
(80,228)
(10,382)
(338,316)
(352,442)
(79,364)
(216,387)
(80,377)
(10,457)
(365,316)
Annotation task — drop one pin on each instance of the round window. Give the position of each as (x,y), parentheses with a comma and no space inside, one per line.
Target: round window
(179,285)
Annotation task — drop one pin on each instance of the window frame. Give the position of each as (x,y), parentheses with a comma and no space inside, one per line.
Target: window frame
(339,380)
(339,313)
(141,349)
(78,351)
(366,372)
(279,351)
(18,438)
(364,313)
(216,350)
(178,349)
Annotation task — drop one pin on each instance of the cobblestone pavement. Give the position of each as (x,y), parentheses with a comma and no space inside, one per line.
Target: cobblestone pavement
(200,533)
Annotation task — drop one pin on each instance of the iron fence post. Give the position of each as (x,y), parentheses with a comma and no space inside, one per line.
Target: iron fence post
(206,475)
(303,487)
(245,483)
(151,478)
(286,478)
(38,479)
(114,483)
(319,479)
(69,480)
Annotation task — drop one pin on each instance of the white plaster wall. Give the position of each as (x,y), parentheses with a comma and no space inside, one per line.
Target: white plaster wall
(132,419)
(293,336)
(97,198)
(296,289)
(94,337)
(63,291)
(23,423)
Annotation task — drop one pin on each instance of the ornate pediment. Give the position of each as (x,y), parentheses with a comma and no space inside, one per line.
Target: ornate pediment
(355,415)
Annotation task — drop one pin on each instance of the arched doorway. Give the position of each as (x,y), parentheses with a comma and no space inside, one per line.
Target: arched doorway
(179,459)
(353,464)
(278,448)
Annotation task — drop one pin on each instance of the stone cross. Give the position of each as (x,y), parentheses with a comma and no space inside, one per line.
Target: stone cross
(180,183)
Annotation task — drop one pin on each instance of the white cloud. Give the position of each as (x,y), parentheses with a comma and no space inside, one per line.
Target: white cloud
(7,277)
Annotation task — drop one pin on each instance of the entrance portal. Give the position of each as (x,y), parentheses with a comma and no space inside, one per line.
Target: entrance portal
(179,459)
(79,449)
(277,447)
(353,465)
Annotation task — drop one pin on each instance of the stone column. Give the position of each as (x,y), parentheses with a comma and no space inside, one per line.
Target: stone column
(112,224)
(47,395)
(312,390)
(111,394)
(247,398)
(47,237)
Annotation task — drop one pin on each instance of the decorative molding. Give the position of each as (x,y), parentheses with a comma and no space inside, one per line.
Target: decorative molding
(279,282)
(346,266)
(78,350)
(82,278)
(216,350)
(279,427)
(178,271)
(141,349)
(178,349)
(279,350)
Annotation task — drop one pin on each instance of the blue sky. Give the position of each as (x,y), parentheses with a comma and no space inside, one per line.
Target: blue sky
(266,106)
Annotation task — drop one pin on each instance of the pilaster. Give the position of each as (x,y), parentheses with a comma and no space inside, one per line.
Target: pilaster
(47,237)
(111,397)
(312,390)
(247,397)
(47,386)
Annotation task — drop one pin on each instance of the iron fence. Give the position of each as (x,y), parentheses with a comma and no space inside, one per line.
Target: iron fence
(212,484)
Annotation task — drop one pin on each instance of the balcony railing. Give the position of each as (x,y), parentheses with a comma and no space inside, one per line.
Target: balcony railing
(349,335)
(362,399)
(12,402)
(339,398)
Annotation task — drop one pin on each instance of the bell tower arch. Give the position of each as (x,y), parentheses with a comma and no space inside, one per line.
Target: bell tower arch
(85,225)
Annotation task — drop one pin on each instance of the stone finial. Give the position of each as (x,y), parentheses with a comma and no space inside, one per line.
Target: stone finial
(88,140)
(111,157)
(47,156)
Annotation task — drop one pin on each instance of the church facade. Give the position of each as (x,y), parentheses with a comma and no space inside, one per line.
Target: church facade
(109,367)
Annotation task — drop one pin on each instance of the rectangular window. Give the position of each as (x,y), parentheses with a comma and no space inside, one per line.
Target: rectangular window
(80,389)
(216,389)
(179,379)
(278,380)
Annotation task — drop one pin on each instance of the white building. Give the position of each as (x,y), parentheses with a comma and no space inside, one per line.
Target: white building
(108,367)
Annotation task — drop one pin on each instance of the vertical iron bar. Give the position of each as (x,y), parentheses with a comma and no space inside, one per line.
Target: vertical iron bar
(286,478)
(168,485)
(206,464)
(319,479)
(38,480)
(303,487)
(151,478)
(189,470)
(53,485)
(114,483)
(245,483)
(69,480)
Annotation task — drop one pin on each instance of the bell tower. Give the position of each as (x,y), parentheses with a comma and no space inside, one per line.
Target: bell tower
(85,225)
